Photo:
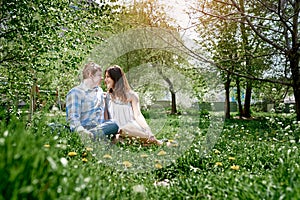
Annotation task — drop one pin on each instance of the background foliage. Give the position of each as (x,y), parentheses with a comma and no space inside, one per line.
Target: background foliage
(43,45)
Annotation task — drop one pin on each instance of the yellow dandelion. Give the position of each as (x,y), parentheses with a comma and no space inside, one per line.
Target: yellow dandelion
(84,160)
(72,153)
(89,149)
(158,166)
(127,164)
(173,144)
(219,164)
(84,154)
(231,158)
(161,153)
(217,151)
(46,145)
(107,156)
(144,156)
(235,167)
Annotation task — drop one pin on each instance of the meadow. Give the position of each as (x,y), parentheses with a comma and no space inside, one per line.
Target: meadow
(249,159)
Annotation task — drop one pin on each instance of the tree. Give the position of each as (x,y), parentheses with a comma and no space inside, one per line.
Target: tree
(235,49)
(225,53)
(43,42)
(276,23)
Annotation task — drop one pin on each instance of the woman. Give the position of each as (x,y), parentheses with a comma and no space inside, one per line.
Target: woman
(124,107)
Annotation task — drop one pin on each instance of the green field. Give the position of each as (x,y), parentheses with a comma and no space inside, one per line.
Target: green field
(247,159)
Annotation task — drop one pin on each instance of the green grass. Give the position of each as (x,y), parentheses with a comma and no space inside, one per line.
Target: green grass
(251,159)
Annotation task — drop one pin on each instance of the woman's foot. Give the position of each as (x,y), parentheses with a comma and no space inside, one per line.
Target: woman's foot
(152,141)
(168,143)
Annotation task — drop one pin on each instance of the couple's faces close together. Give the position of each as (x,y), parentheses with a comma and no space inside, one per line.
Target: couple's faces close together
(97,78)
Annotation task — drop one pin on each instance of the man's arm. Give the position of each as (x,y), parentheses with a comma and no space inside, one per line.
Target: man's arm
(73,112)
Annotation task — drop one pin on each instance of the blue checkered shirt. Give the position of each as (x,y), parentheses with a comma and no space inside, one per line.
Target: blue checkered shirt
(84,107)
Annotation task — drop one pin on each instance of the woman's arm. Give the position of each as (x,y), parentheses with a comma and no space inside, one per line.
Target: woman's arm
(138,116)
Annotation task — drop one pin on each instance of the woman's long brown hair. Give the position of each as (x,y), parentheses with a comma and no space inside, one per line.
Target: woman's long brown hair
(121,88)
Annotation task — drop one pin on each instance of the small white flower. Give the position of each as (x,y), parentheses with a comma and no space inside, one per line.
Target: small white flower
(5,134)
(139,189)
(64,161)
(272,110)
(287,127)
(87,179)
(164,183)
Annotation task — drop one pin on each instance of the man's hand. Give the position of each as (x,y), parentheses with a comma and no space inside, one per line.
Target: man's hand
(84,133)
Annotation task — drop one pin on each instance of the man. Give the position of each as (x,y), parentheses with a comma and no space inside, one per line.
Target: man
(85,106)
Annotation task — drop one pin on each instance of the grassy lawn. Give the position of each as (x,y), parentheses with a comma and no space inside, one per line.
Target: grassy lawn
(214,159)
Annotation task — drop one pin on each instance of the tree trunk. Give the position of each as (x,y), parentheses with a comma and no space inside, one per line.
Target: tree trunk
(297,101)
(294,64)
(227,100)
(239,100)
(171,89)
(174,109)
(247,104)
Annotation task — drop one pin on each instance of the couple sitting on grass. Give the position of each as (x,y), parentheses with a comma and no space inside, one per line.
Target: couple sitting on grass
(115,114)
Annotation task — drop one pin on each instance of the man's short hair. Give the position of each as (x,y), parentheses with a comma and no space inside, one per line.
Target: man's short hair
(90,69)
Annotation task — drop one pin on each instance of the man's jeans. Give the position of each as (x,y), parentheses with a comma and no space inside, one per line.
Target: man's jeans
(105,130)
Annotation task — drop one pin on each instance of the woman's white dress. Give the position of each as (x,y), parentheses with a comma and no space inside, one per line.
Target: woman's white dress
(122,114)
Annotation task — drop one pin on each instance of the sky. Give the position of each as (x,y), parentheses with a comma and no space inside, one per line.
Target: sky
(177,9)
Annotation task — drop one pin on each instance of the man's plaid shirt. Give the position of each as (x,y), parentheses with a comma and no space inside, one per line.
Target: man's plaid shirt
(85,107)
